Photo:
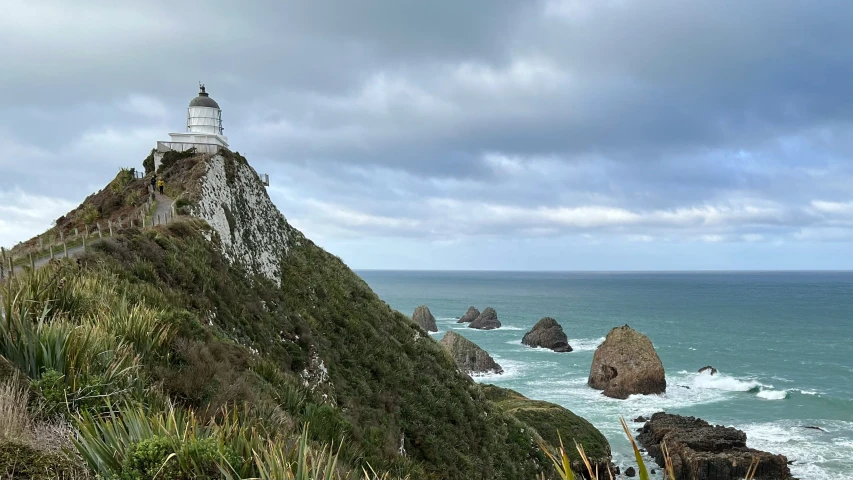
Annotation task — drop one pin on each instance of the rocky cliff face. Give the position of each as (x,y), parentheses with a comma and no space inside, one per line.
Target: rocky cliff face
(234,202)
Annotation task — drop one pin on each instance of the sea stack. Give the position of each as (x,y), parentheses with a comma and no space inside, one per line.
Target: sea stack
(470,315)
(424,318)
(626,364)
(469,357)
(487,320)
(547,333)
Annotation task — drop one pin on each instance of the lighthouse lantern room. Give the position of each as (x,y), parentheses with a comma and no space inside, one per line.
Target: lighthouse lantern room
(204,129)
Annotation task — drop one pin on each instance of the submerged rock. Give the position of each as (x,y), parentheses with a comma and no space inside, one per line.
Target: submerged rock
(630,472)
(424,318)
(547,333)
(700,451)
(626,364)
(712,370)
(469,316)
(469,357)
(487,320)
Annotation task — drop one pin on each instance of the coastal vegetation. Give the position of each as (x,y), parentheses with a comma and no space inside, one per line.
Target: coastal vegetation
(151,353)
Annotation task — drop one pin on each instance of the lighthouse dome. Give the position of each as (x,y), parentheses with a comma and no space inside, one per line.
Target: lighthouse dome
(203,100)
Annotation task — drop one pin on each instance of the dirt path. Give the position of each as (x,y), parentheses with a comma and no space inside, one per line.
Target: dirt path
(163,211)
(162,214)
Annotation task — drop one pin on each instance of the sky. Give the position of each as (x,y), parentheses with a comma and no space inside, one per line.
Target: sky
(484,134)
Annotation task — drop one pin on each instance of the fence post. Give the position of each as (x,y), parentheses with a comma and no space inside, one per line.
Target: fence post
(159,221)
(65,248)
(87,230)
(51,250)
(99,230)
(75,232)
(110,225)
(61,236)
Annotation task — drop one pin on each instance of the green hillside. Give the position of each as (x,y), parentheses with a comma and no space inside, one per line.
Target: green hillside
(153,349)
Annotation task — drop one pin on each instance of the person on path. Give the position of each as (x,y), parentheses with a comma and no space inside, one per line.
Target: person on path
(153,183)
(160,184)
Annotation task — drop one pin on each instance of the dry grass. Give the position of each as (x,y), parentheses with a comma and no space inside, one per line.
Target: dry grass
(15,423)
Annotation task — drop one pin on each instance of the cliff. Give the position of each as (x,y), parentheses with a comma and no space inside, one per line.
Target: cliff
(263,321)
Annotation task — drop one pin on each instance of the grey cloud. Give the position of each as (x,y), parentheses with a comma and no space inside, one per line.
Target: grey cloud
(424,119)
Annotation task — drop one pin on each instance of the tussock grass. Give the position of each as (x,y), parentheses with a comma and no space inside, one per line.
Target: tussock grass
(14,417)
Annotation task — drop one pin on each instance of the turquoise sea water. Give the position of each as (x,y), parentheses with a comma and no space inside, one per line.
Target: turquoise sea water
(782,342)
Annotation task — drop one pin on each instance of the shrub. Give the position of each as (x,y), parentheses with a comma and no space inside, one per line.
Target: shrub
(18,460)
(89,214)
(150,458)
(148,163)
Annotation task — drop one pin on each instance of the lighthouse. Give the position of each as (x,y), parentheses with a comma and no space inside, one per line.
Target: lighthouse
(204,129)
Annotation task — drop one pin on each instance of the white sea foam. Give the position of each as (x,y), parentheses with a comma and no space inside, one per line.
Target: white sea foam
(809,392)
(723,382)
(512,369)
(510,327)
(772,394)
(812,452)
(585,344)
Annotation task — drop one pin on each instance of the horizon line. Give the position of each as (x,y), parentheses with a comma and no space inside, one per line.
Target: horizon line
(603,271)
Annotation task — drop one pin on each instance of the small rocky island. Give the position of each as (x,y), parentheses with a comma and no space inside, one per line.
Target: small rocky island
(700,451)
(470,315)
(424,318)
(487,320)
(469,357)
(547,333)
(626,364)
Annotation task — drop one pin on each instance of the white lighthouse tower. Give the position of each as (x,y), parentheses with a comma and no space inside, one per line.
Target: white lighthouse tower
(204,129)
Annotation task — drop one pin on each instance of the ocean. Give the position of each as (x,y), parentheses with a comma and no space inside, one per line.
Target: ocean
(781,341)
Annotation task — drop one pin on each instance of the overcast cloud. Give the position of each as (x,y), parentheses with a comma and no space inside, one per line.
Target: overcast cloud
(485,134)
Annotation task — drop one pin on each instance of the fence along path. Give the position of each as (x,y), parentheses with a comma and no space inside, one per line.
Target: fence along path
(76,244)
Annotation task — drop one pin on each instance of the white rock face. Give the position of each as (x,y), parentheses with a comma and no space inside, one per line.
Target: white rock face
(252,230)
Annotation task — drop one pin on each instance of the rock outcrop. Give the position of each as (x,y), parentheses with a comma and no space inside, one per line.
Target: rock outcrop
(469,357)
(711,370)
(700,451)
(547,333)
(486,320)
(470,315)
(626,364)
(424,318)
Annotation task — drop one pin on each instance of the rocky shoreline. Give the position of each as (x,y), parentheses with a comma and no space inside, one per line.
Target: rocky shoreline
(625,364)
(701,451)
